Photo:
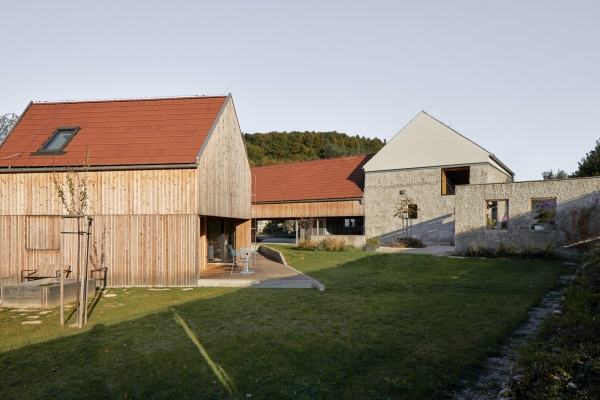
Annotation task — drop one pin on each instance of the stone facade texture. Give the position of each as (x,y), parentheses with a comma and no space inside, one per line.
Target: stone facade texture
(435,218)
(572,196)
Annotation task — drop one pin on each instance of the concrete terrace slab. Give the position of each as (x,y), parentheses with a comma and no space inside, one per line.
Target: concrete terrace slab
(267,274)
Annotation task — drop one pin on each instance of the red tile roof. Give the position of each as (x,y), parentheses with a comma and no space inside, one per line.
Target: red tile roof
(115,132)
(334,178)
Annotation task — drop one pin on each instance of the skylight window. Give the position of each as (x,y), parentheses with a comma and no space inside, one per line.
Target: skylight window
(59,140)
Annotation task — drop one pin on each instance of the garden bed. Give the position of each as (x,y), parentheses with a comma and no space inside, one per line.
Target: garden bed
(42,293)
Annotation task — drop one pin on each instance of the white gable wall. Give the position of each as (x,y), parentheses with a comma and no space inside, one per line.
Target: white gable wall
(423,143)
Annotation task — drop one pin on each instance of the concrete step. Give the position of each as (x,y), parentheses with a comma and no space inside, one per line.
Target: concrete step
(286,284)
(255,283)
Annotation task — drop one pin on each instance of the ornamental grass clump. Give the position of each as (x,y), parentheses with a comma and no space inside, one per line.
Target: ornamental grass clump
(407,243)
(328,244)
(505,251)
(373,241)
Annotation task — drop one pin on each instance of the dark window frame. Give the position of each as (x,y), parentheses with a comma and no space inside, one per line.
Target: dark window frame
(42,152)
(444,178)
(413,210)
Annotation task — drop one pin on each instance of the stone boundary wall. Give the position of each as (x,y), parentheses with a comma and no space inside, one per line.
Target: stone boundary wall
(434,224)
(572,196)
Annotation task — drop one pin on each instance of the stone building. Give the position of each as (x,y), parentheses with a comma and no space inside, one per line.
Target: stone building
(426,162)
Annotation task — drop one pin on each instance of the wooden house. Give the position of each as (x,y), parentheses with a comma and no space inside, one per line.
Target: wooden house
(327,193)
(168,183)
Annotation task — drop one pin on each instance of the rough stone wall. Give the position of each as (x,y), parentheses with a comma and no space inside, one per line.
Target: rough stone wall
(571,195)
(494,175)
(435,218)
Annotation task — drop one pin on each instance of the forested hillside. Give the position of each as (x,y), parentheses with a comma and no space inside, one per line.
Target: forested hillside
(282,147)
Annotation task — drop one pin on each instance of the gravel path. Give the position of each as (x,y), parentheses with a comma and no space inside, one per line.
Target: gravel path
(497,371)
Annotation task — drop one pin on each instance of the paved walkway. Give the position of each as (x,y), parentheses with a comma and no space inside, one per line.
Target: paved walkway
(267,274)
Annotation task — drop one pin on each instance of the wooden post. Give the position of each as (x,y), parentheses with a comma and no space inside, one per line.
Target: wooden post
(87,268)
(80,279)
(62,296)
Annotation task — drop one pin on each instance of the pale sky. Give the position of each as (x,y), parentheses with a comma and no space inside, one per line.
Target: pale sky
(521,79)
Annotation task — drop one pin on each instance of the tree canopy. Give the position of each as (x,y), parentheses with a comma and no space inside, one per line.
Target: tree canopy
(7,121)
(560,174)
(282,147)
(590,164)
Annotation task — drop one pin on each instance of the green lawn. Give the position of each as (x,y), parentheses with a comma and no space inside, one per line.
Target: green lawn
(387,326)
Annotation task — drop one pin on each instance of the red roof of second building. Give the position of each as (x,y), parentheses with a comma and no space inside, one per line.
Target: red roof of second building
(114,132)
(334,178)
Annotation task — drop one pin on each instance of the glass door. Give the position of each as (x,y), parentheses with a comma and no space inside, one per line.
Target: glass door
(221,240)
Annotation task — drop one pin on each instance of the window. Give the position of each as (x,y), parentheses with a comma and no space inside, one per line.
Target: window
(452,177)
(543,214)
(496,214)
(58,141)
(412,211)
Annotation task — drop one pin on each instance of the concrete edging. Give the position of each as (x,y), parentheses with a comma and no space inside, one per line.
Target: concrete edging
(277,256)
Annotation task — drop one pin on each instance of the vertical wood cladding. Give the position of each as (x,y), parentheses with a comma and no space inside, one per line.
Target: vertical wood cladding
(42,232)
(242,234)
(129,250)
(348,208)
(223,170)
(167,191)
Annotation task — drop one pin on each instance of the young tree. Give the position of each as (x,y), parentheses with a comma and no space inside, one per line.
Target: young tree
(590,164)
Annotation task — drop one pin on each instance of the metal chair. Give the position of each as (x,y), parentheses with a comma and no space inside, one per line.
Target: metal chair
(233,254)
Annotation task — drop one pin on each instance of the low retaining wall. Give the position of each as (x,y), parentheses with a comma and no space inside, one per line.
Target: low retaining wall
(274,254)
(354,240)
(42,293)
(277,256)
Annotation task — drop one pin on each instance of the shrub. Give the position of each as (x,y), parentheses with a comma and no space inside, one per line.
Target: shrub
(504,251)
(306,245)
(332,244)
(406,243)
(328,244)
(373,241)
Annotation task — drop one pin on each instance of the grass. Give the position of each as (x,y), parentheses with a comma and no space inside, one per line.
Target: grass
(563,359)
(387,326)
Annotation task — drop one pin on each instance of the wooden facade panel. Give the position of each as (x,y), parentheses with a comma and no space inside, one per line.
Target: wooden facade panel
(135,250)
(147,250)
(223,171)
(14,256)
(42,232)
(243,234)
(168,191)
(348,208)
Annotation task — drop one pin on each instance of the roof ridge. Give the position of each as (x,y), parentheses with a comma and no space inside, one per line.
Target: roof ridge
(54,102)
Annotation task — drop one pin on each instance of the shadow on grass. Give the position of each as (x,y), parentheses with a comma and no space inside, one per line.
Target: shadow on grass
(388,326)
